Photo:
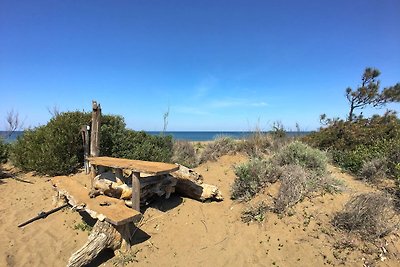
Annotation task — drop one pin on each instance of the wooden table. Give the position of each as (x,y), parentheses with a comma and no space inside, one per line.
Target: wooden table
(137,167)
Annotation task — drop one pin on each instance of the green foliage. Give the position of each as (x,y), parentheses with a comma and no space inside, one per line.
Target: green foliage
(298,153)
(252,177)
(53,149)
(143,146)
(368,93)
(354,143)
(56,148)
(83,226)
(184,154)
(4,149)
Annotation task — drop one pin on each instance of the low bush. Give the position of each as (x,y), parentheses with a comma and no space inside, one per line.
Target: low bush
(255,212)
(220,146)
(294,187)
(257,144)
(4,148)
(374,170)
(56,148)
(184,154)
(53,149)
(370,215)
(251,177)
(353,143)
(298,153)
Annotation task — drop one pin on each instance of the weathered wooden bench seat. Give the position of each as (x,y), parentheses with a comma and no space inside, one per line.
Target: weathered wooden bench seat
(102,207)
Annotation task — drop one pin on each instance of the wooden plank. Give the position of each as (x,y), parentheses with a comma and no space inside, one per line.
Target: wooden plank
(116,213)
(136,191)
(149,167)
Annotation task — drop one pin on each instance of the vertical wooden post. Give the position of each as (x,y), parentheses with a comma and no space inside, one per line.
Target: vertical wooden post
(95,136)
(86,145)
(136,191)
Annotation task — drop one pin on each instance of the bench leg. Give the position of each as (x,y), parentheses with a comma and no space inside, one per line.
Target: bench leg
(136,191)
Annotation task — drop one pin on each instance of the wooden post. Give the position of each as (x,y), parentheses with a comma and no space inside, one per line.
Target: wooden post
(136,191)
(95,136)
(86,144)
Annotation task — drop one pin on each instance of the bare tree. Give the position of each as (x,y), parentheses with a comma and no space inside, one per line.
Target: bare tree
(13,122)
(165,117)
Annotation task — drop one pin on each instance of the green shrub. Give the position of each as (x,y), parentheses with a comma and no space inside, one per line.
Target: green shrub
(53,149)
(251,177)
(143,146)
(220,146)
(56,148)
(298,153)
(354,143)
(4,148)
(184,154)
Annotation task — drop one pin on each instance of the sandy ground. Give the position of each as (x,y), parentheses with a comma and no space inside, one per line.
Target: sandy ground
(182,232)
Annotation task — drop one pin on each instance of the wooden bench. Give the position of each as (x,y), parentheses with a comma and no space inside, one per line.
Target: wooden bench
(137,167)
(102,207)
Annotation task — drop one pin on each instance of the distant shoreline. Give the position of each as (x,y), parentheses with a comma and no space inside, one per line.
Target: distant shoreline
(192,136)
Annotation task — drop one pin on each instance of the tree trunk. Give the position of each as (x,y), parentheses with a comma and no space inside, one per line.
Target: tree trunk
(95,135)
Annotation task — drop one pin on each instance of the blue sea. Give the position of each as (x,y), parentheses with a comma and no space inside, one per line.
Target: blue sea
(177,135)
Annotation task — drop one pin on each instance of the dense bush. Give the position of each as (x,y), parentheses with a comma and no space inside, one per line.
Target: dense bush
(353,143)
(56,148)
(4,147)
(143,146)
(53,149)
(298,153)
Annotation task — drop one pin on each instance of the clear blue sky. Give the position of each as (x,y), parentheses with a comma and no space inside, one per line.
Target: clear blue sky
(218,65)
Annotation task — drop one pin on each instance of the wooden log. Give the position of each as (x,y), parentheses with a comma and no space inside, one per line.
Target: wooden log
(103,235)
(190,184)
(136,191)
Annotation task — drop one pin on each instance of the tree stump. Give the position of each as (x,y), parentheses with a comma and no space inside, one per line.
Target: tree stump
(104,235)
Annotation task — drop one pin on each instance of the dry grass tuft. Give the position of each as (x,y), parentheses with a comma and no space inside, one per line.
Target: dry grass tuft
(371,215)
(293,189)
(184,154)
(374,170)
(220,146)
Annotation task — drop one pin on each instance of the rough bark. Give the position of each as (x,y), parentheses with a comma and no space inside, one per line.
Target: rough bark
(104,235)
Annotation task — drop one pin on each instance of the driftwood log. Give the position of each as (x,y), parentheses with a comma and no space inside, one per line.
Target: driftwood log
(103,235)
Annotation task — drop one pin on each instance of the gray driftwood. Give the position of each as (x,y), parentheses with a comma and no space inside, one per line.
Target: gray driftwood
(104,235)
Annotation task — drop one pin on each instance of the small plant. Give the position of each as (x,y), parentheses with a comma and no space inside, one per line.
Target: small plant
(4,148)
(220,146)
(123,259)
(252,177)
(374,170)
(255,213)
(184,154)
(83,226)
(370,215)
